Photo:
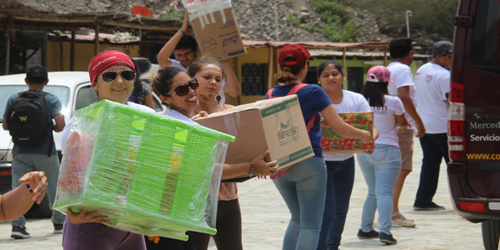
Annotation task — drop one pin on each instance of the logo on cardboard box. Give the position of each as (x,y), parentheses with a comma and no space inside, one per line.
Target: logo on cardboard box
(209,43)
(287,132)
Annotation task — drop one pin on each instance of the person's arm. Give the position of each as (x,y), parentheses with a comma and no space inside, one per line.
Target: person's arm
(404,95)
(148,101)
(402,123)
(17,202)
(260,167)
(233,86)
(60,123)
(4,124)
(338,125)
(167,50)
(375,133)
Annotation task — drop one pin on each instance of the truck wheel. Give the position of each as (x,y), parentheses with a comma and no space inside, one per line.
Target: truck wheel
(491,233)
(40,211)
(44,210)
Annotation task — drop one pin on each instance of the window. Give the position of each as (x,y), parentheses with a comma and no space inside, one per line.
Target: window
(85,97)
(7,90)
(486,44)
(253,79)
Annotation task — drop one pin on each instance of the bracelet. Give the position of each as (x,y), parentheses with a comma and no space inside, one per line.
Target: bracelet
(29,188)
(251,170)
(182,31)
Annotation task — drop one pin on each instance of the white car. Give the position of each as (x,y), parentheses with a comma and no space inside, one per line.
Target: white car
(74,91)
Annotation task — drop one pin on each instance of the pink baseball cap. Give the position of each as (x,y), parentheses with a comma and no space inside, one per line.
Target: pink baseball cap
(378,74)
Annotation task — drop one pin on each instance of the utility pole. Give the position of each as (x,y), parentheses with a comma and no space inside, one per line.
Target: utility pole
(408,15)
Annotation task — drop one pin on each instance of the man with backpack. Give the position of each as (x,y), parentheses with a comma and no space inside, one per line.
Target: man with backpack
(30,117)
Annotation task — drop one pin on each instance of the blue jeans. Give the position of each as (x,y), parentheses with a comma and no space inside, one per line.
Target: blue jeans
(303,188)
(340,180)
(381,170)
(24,163)
(434,148)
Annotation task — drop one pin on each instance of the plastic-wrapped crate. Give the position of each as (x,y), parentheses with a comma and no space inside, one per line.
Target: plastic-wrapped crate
(148,173)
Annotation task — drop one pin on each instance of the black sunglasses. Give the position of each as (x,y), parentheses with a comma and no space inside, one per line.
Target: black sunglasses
(183,89)
(111,75)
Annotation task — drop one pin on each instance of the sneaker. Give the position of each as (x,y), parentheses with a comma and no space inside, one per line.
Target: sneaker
(19,232)
(400,220)
(369,235)
(430,207)
(58,228)
(387,239)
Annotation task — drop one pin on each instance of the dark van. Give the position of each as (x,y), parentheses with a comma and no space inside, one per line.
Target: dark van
(474,117)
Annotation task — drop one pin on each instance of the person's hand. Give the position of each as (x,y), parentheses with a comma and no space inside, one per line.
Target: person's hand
(369,151)
(83,217)
(38,183)
(185,24)
(261,167)
(201,114)
(155,239)
(401,129)
(365,136)
(420,129)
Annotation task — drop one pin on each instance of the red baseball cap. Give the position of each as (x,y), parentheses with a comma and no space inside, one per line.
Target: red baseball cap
(378,74)
(295,54)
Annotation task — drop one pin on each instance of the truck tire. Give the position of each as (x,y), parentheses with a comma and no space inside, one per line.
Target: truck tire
(41,210)
(491,233)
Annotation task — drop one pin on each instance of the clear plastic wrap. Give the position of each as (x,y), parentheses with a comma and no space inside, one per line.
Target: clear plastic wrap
(149,173)
(204,10)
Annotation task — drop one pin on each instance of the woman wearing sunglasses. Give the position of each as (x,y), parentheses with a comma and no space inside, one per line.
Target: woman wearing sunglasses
(112,74)
(177,90)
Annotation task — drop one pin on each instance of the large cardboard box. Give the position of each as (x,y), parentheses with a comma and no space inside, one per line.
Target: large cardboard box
(218,34)
(333,143)
(276,124)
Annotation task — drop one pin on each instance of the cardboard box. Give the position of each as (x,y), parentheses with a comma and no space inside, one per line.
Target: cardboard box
(333,143)
(148,173)
(218,36)
(276,124)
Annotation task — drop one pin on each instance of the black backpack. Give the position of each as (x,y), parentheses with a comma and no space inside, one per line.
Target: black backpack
(28,120)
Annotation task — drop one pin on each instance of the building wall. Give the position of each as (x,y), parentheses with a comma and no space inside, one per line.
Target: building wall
(84,52)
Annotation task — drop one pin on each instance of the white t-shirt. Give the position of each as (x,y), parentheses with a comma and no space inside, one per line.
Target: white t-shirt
(177,115)
(352,102)
(175,63)
(385,120)
(401,76)
(67,127)
(432,82)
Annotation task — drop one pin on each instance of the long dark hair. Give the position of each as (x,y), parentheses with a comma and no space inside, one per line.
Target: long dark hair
(163,81)
(197,65)
(374,92)
(288,72)
(322,66)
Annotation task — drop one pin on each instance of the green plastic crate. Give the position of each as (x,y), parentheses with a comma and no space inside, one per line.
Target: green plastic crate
(148,173)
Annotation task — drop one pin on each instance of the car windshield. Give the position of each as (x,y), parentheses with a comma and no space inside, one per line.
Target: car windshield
(7,90)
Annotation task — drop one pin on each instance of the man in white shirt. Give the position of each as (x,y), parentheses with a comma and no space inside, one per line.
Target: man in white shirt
(401,51)
(185,48)
(432,83)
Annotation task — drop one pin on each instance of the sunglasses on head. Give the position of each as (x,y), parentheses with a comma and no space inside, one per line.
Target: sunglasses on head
(111,75)
(183,89)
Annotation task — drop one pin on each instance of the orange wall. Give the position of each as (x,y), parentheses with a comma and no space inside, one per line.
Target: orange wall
(84,52)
